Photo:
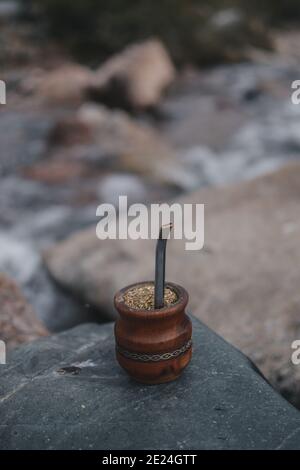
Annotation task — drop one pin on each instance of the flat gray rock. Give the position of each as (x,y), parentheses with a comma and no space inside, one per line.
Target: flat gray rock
(68,392)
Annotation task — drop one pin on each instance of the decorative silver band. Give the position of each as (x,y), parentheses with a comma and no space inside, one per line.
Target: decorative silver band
(143,357)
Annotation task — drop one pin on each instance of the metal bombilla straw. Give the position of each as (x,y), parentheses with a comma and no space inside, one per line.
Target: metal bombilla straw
(160,265)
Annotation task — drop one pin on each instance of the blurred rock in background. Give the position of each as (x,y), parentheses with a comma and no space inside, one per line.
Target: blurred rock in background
(18,322)
(63,86)
(135,78)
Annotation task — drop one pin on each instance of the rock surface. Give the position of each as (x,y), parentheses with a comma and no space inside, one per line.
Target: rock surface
(244,284)
(113,140)
(68,392)
(65,85)
(18,323)
(136,77)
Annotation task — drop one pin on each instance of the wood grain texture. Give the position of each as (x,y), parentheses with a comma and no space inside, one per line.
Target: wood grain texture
(156,333)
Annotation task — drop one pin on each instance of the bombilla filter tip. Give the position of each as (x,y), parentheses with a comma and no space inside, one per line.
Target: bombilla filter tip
(165,231)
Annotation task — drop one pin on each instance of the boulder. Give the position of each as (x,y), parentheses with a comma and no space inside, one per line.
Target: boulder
(65,85)
(18,322)
(135,78)
(285,45)
(70,131)
(56,171)
(117,142)
(86,401)
(244,283)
